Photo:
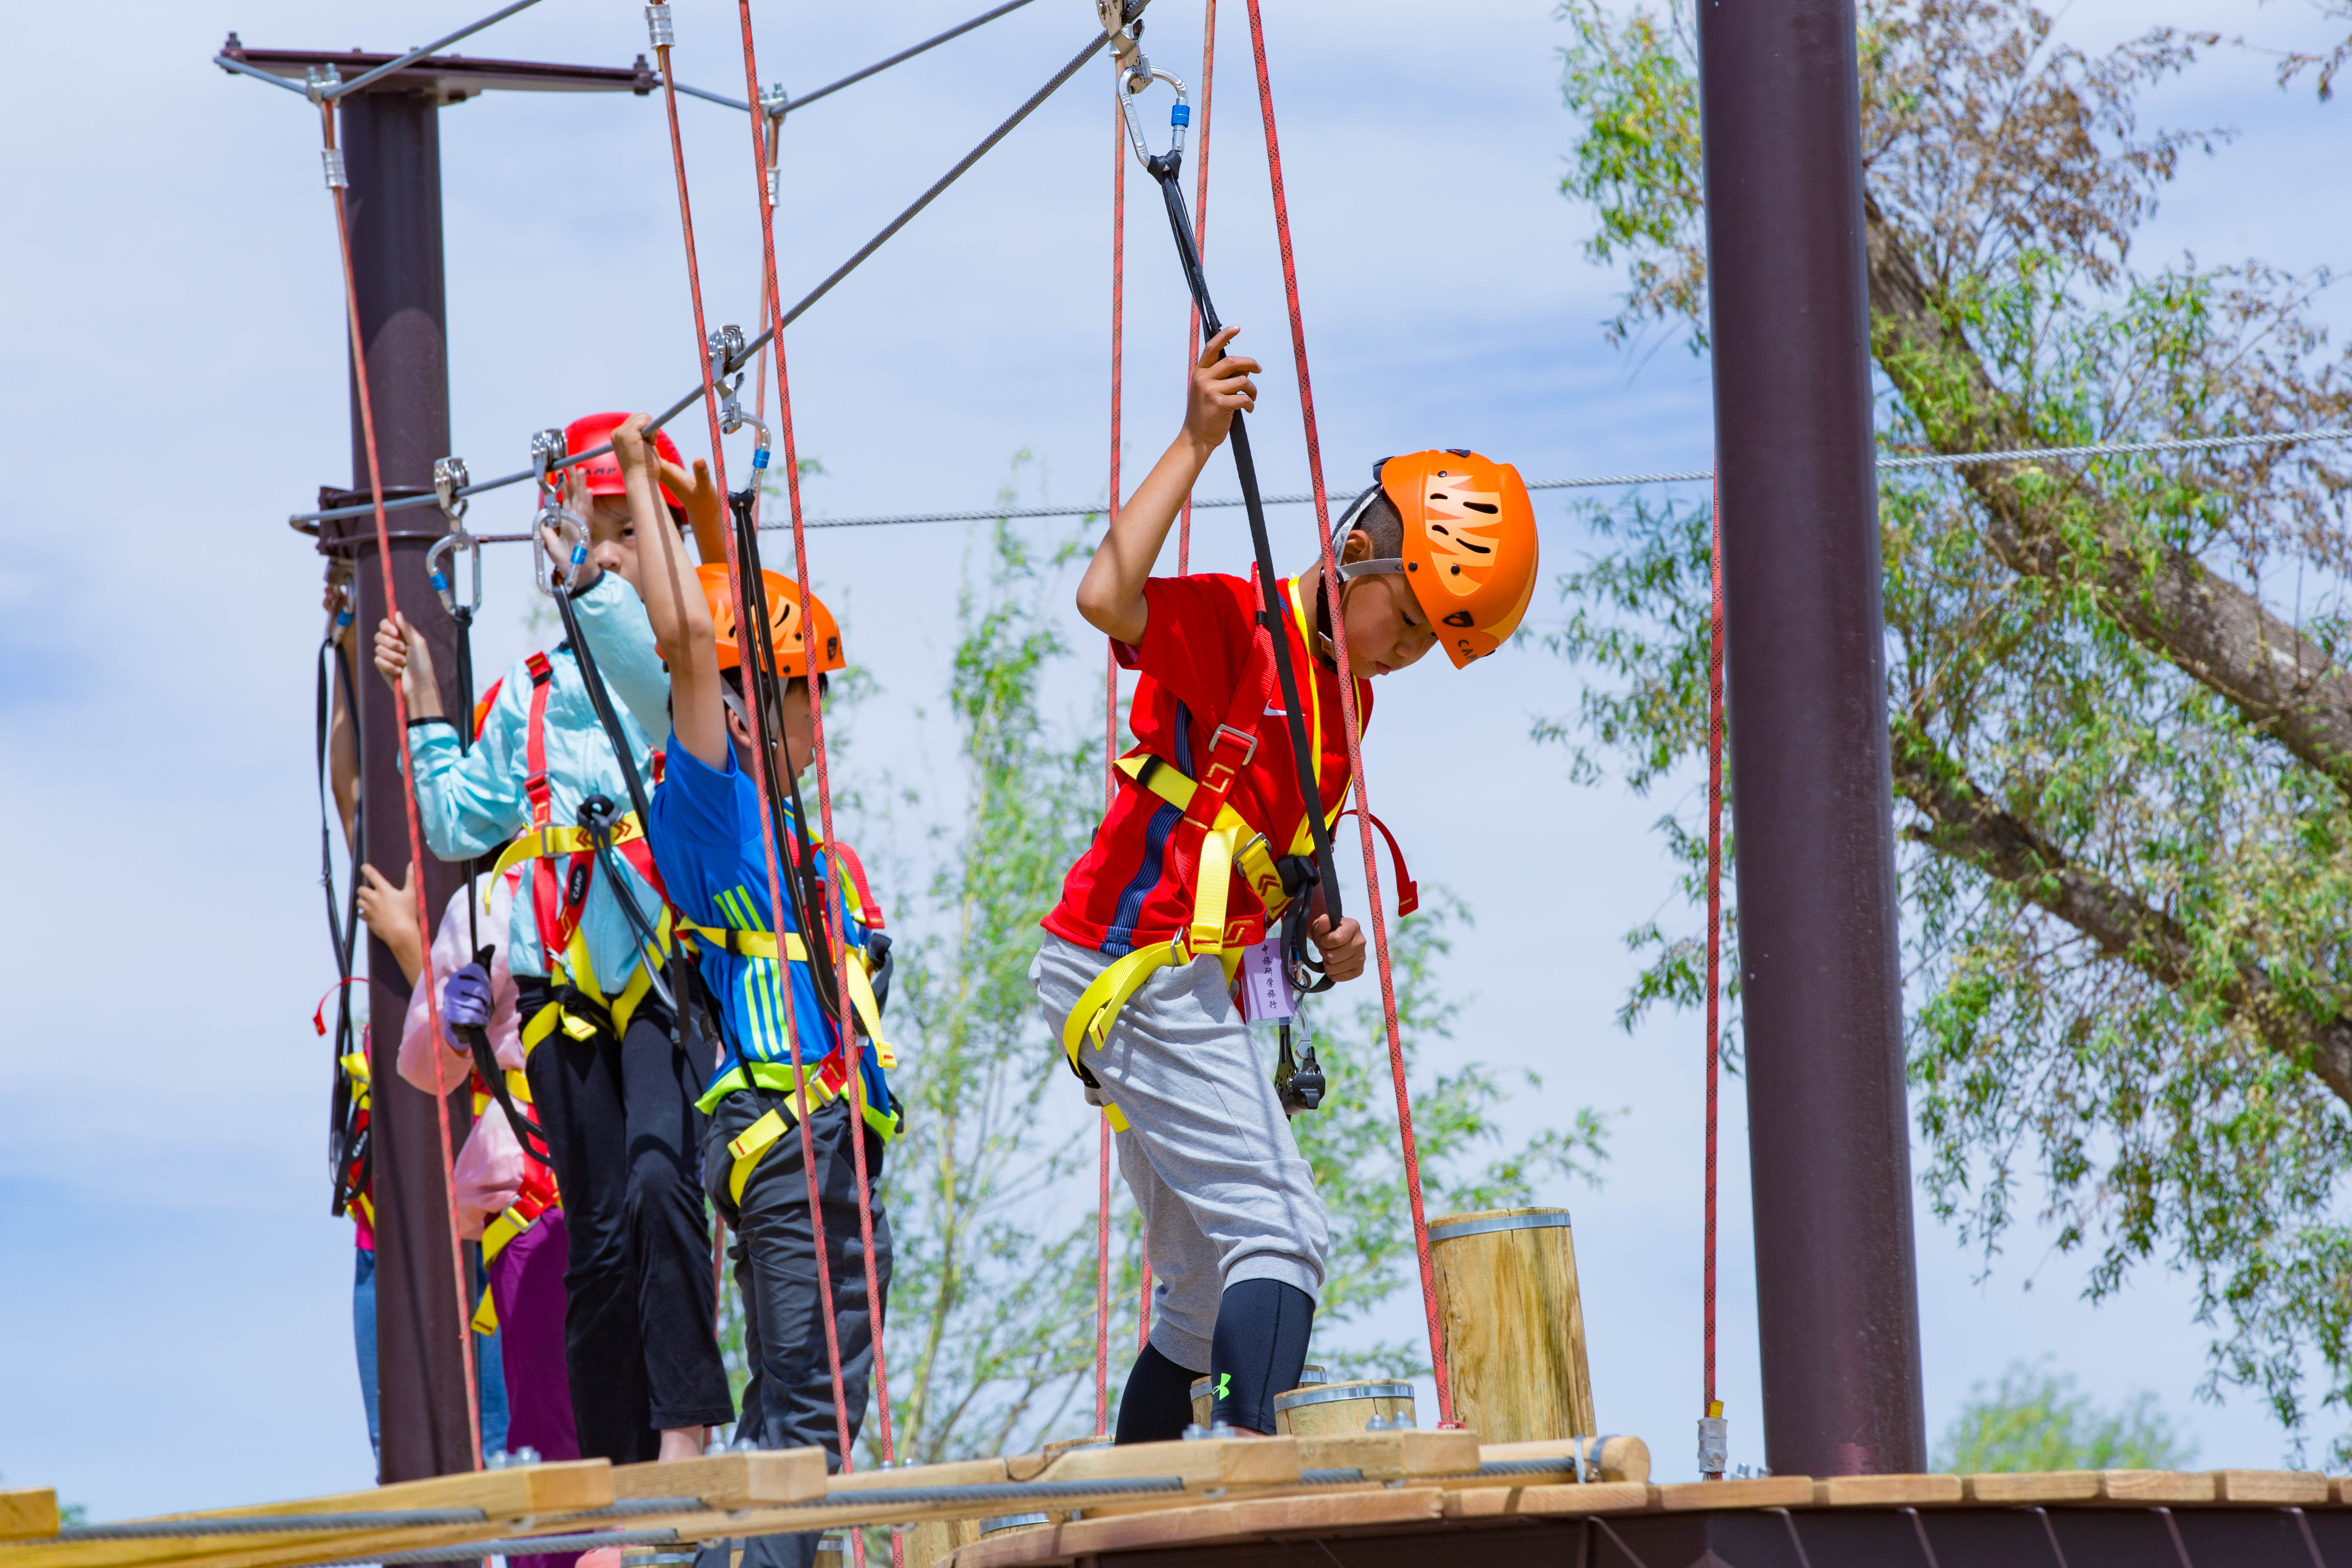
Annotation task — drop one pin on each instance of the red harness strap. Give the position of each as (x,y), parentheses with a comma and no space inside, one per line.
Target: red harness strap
(560,900)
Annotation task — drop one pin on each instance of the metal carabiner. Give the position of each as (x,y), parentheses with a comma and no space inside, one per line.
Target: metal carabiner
(727,345)
(1180,115)
(436,567)
(548,448)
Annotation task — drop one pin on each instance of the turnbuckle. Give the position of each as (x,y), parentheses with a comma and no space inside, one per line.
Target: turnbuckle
(548,448)
(449,478)
(726,348)
(773,104)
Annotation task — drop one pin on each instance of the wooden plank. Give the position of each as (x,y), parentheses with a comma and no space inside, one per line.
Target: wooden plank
(2288,1488)
(955,1473)
(1886,1491)
(1761,1491)
(1199,1464)
(2147,1486)
(1314,1512)
(747,1480)
(1392,1455)
(2033,1487)
(27,1514)
(508,1494)
(1546,1501)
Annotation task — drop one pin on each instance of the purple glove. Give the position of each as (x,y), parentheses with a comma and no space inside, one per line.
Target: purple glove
(465,999)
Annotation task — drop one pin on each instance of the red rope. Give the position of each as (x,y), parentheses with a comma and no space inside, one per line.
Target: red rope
(1199,248)
(1352,729)
(457,1271)
(759,772)
(1111,726)
(1714,900)
(833,928)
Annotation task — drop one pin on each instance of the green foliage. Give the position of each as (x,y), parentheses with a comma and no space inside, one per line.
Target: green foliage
(2038,1419)
(2121,1045)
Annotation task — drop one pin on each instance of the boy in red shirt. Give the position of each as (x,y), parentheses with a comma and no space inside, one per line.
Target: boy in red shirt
(1188,871)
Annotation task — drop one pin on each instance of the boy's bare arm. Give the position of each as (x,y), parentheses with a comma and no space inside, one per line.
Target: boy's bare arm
(1111,595)
(674,601)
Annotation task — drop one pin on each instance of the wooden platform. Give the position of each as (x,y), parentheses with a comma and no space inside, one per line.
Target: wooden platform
(1410,1498)
(2225,1518)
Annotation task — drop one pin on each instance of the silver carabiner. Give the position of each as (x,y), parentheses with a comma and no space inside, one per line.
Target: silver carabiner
(437,571)
(548,448)
(1179,114)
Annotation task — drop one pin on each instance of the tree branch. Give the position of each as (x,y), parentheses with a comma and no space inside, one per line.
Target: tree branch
(1963,823)
(2217,632)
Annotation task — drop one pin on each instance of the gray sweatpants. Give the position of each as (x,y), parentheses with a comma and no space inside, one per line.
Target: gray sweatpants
(1208,1152)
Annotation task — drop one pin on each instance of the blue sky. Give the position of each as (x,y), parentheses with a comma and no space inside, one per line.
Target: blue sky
(175,1296)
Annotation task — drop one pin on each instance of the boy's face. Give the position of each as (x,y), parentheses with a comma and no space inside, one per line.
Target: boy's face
(612,538)
(1386,626)
(800,727)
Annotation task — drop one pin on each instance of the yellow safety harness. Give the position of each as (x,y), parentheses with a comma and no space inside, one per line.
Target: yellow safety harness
(818,1086)
(1214,838)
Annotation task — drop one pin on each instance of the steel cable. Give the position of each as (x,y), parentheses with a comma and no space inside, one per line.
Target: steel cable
(962,166)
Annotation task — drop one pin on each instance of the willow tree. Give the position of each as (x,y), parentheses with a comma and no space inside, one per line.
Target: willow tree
(2120,715)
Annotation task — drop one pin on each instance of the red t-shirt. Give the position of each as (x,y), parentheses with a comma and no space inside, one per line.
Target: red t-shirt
(1124,893)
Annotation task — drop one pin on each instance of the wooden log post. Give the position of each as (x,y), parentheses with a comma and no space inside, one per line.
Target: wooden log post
(1514,1323)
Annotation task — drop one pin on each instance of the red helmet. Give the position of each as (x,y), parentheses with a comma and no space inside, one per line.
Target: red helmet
(603,473)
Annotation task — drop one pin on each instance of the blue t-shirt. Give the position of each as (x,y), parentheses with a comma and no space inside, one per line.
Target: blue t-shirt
(707,842)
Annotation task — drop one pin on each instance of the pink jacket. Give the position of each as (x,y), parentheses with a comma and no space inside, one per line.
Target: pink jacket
(489,1170)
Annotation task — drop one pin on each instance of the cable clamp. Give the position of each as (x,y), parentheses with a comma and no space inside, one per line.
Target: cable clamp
(658,28)
(337,178)
(320,83)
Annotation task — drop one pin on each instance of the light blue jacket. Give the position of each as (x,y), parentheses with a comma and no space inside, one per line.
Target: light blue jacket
(472,803)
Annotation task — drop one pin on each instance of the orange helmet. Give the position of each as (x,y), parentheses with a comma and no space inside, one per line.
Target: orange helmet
(1470,552)
(784,623)
(603,474)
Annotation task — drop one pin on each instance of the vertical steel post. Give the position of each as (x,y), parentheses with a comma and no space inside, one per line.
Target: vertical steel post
(1837,1295)
(393,149)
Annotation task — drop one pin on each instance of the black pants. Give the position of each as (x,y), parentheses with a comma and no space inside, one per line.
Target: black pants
(789,1404)
(638,1340)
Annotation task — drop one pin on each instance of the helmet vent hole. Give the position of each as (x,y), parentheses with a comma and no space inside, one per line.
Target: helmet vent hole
(1489,508)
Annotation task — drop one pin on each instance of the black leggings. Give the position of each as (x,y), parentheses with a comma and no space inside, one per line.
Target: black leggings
(639,1341)
(1258,1352)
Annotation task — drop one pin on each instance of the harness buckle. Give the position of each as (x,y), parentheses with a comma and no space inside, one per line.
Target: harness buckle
(1247,737)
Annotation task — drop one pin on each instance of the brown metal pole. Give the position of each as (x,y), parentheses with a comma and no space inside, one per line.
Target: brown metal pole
(1837,1296)
(392,147)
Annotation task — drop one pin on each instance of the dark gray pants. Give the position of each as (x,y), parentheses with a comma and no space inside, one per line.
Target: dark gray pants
(789,1404)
